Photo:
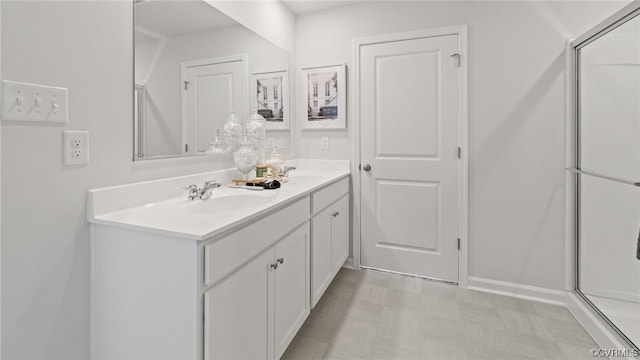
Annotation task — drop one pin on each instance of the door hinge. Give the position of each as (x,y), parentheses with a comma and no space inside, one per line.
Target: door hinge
(459,152)
(457,56)
(186,85)
(186,147)
(458,243)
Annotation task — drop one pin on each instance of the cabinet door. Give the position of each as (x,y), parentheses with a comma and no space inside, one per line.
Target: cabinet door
(291,287)
(321,254)
(237,317)
(340,233)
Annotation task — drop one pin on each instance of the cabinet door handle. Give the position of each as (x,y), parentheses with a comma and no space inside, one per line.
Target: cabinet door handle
(335,213)
(274,265)
(280,260)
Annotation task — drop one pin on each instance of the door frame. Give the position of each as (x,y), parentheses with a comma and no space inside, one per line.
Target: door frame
(463,139)
(185,65)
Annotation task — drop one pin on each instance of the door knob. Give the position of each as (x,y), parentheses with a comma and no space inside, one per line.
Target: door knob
(366,167)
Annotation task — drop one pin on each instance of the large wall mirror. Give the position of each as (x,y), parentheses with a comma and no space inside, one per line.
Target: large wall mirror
(193,66)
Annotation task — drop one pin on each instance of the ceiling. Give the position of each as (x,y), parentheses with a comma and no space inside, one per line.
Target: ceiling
(164,19)
(158,19)
(299,7)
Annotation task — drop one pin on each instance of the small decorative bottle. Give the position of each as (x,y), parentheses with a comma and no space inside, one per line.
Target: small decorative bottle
(256,132)
(217,146)
(245,157)
(275,162)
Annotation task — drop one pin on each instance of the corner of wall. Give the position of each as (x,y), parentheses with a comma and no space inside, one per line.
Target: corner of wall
(0,193)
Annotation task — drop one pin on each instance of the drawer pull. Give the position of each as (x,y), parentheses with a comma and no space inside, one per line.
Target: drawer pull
(280,260)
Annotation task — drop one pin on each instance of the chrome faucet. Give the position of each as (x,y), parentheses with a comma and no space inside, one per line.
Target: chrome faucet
(284,172)
(204,193)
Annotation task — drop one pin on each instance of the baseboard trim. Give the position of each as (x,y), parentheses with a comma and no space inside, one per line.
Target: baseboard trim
(601,333)
(349,264)
(527,292)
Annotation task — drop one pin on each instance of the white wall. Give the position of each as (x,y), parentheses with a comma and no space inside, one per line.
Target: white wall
(86,47)
(516,92)
(0,194)
(163,126)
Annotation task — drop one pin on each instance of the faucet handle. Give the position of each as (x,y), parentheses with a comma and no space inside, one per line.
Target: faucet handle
(286,170)
(211,184)
(193,191)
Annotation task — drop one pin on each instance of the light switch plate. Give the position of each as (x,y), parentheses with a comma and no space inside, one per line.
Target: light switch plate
(33,102)
(76,147)
(324,143)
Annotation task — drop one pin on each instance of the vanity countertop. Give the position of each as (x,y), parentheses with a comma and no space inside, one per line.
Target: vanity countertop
(226,209)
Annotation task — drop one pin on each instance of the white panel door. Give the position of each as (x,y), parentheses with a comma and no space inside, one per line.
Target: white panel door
(410,122)
(212,92)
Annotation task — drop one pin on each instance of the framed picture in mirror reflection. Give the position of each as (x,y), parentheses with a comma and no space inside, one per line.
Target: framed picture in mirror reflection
(270,96)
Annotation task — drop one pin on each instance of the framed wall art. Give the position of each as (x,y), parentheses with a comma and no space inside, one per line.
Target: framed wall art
(323,97)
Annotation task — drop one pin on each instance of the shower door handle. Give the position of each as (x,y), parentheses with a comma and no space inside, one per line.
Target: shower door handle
(638,247)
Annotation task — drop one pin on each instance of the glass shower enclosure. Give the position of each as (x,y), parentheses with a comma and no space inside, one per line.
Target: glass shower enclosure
(606,171)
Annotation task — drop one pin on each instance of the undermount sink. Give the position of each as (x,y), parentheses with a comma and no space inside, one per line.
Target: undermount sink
(231,202)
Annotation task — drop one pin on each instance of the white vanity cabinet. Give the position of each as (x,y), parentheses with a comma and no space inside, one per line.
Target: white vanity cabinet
(330,235)
(157,296)
(257,310)
(171,281)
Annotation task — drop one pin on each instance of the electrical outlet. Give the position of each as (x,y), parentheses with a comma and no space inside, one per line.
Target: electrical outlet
(324,143)
(76,147)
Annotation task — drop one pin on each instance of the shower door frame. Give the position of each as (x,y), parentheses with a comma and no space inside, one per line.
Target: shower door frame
(587,313)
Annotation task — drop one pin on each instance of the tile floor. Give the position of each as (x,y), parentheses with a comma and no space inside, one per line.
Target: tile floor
(375,315)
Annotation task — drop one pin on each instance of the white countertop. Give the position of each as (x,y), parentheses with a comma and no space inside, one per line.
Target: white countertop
(192,219)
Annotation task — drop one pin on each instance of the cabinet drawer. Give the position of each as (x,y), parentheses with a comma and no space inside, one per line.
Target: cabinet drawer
(223,256)
(323,198)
